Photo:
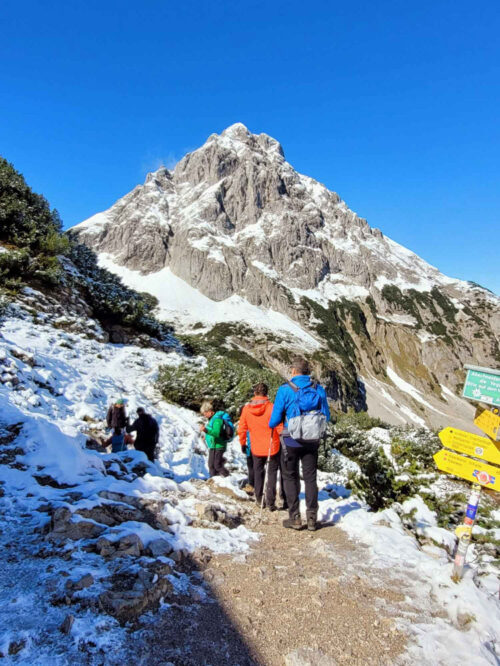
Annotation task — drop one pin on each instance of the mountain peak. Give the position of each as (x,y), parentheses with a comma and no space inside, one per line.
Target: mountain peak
(238,134)
(237,131)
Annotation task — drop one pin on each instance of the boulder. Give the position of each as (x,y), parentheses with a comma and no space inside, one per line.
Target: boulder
(63,526)
(81,584)
(159,548)
(134,592)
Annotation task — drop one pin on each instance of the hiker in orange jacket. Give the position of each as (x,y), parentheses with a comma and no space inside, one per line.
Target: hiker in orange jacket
(265,443)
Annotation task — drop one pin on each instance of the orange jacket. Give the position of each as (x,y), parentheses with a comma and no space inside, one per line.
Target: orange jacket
(254,419)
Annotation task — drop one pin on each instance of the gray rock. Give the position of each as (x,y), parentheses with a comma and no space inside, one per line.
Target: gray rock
(67,625)
(63,527)
(159,547)
(131,545)
(134,592)
(81,584)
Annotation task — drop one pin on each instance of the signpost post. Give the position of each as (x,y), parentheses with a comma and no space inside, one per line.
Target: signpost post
(481,385)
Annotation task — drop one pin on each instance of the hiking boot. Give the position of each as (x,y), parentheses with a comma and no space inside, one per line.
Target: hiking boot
(294,523)
(248,489)
(311,524)
(272,507)
(284,507)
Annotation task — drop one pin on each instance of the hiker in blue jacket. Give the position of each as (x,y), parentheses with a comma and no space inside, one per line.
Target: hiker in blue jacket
(301,405)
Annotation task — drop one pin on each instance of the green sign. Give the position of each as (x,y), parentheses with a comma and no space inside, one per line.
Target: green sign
(483,385)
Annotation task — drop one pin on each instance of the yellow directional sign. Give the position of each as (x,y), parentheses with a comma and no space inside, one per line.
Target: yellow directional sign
(463,529)
(488,421)
(466,468)
(470,444)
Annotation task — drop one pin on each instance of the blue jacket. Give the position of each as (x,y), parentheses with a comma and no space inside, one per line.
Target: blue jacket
(285,405)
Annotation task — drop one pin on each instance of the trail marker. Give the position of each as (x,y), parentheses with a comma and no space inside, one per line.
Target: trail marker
(470,444)
(485,475)
(488,420)
(482,384)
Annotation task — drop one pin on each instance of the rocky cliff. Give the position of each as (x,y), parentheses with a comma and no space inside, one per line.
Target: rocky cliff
(235,222)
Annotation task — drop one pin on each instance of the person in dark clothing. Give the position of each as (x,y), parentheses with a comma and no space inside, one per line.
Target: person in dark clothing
(147,431)
(117,415)
(288,408)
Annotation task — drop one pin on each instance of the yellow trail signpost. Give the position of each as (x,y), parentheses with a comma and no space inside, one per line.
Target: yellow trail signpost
(470,444)
(470,470)
(481,385)
(488,420)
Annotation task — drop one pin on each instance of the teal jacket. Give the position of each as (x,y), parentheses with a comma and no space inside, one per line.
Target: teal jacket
(214,427)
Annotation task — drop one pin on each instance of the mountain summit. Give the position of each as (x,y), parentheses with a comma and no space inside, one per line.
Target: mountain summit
(234,233)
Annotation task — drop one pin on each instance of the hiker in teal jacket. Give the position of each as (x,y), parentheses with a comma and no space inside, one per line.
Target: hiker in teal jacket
(215,438)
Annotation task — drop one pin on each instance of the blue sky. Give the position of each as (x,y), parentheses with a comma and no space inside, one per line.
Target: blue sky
(392,104)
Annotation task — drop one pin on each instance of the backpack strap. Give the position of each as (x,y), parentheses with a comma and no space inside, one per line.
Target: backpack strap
(296,389)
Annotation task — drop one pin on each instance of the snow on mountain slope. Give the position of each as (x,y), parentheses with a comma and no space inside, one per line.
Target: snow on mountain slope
(186,306)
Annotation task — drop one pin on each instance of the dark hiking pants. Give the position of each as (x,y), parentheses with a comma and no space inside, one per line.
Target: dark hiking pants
(282,483)
(251,475)
(146,447)
(259,466)
(307,454)
(216,462)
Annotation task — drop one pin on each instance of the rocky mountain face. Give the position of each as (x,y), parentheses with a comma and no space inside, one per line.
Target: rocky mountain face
(234,219)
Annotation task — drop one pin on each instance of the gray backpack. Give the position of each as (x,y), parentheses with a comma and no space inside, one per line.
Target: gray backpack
(310,425)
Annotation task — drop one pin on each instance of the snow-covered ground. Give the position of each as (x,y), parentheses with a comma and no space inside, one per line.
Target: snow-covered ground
(57,386)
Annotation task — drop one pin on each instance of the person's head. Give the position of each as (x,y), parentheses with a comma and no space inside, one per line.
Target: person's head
(207,409)
(300,366)
(117,431)
(140,411)
(120,402)
(261,389)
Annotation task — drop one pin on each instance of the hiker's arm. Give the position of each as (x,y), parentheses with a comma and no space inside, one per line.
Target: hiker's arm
(131,428)
(243,429)
(214,429)
(278,412)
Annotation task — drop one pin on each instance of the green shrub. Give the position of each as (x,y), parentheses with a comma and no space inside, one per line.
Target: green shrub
(30,231)
(112,302)
(224,380)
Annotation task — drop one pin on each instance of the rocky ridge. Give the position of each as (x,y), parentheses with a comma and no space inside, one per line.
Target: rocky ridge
(234,219)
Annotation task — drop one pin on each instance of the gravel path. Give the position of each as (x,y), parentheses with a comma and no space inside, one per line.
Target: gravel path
(293,591)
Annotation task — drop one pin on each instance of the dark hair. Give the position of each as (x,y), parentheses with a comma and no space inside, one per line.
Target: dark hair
(260,389)
(141,410)
(300,364)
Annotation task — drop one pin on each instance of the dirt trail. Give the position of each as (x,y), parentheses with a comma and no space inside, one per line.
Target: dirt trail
(293,590)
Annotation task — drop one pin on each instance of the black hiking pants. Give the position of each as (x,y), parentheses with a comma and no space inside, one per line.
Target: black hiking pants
(216,462)
(282,484)
(259,467)
(251,474)
(146,447)
(307,454)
